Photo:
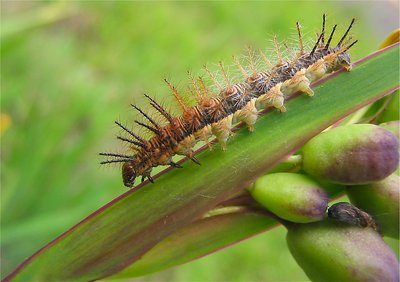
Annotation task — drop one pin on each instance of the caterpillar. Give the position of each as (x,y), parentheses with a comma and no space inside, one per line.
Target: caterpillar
(215,115)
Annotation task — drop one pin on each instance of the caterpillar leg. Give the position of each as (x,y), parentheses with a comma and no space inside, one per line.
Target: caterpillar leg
(174,164)
(195,160)
(147,174)
(316,70)
(248,114)
(222,130)
(299,82)
(274,97)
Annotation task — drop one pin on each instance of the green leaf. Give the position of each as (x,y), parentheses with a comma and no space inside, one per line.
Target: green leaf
(198,239)
(125,229)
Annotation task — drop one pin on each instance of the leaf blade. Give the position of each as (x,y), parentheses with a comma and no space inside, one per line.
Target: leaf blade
(198,239)
(122,231)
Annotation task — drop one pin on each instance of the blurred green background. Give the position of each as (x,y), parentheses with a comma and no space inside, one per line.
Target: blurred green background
(70,69)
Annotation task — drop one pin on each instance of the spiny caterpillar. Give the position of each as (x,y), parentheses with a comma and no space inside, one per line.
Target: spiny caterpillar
(215,115)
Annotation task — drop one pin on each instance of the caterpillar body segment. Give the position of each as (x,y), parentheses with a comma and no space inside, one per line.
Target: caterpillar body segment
(299,82)
(204,135)
(248,114)
(239,102)
(274,97)
(222,130)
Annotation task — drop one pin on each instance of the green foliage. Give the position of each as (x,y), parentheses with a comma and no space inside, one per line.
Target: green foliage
(122,231)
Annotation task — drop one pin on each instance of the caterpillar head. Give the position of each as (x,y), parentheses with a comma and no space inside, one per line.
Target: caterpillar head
(337,60)
(344,61)
(128,174)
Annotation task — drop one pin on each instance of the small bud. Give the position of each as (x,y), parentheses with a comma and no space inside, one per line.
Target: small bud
(349,214)
(333,251)
(294,197)
(352,154)
(381,200)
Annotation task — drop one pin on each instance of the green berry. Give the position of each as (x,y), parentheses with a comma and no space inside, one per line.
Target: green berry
(352,154)
(381,200)
(293,197)
(334,251)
